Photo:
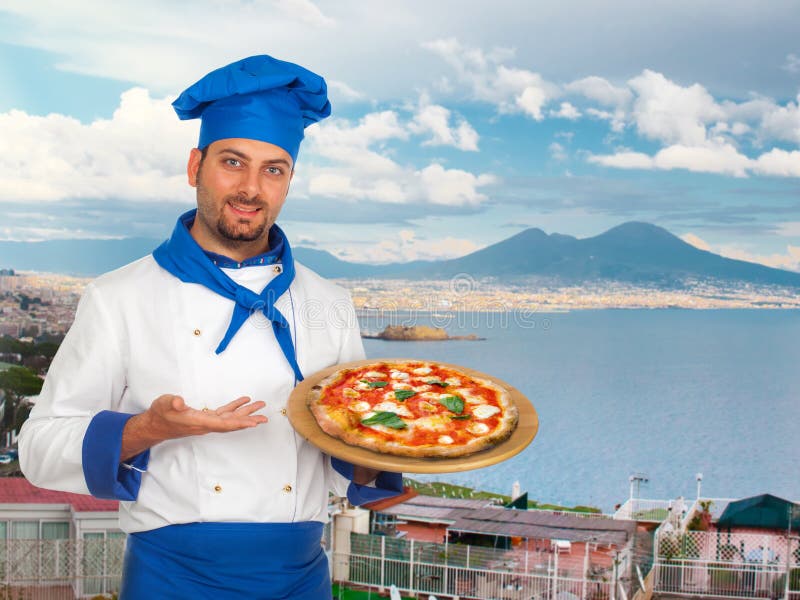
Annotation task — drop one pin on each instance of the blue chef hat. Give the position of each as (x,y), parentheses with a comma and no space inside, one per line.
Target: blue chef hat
(258,98)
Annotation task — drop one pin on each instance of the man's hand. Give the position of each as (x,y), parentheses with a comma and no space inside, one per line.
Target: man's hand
(168,418)
(364,475)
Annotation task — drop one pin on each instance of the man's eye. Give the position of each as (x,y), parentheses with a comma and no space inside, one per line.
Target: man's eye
(232,162)
(274,170)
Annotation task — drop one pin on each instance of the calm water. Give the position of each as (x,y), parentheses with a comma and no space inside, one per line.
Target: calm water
(668,393)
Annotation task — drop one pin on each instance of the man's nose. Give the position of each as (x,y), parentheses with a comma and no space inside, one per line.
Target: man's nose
(248,185)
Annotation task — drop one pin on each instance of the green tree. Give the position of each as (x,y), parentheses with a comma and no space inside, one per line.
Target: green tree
(17,383)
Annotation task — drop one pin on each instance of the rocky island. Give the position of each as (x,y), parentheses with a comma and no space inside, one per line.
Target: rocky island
(417,333)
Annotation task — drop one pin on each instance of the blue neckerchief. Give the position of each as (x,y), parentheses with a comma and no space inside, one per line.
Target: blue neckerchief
(269,257)
(181,256)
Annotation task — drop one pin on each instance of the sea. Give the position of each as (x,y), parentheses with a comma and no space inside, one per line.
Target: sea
(662,394)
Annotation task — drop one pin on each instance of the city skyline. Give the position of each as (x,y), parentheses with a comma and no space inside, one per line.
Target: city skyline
(455,125)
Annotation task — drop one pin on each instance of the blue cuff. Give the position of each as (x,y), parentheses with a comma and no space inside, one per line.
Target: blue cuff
(386,484)
(105,476)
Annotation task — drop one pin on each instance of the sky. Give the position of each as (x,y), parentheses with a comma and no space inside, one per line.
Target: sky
(455,124)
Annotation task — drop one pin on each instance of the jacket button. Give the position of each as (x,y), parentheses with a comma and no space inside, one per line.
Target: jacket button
(283,412)
(218,488)
(277,268)
(287,488)
(196,332)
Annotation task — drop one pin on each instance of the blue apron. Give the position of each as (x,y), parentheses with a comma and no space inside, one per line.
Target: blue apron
(267,561)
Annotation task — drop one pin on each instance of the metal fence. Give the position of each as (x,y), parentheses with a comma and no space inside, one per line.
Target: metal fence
(462,571)
(727,564)
(726,580)
(60,569)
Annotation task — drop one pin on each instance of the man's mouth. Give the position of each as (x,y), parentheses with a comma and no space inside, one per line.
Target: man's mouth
(243,210)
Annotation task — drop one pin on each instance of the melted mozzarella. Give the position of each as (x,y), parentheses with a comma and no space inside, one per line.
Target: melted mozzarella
(478,428)
(350,393)
(433,423)
(445,439)
(426,406)
(398,375)
(362,386)
(401,386)
(423,371)
(453,381)
(359,406)
(421,388)
(484,411)
(374,375)
(392,407)
(469,397)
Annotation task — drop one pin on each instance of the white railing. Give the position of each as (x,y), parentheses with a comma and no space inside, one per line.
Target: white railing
(423,577)
(60,569)
(640,509)
(573,513)
(725,580)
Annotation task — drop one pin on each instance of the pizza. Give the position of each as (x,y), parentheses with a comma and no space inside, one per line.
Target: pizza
(413,408)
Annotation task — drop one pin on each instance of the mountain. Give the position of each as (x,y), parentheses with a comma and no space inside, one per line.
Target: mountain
(632,252)
(74,257)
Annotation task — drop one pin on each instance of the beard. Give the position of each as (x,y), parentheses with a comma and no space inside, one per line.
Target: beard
(241,230)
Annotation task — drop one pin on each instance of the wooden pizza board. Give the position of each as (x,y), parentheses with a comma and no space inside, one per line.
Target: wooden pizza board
(306,425)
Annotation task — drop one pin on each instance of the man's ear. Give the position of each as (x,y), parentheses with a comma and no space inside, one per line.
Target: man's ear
(193,166)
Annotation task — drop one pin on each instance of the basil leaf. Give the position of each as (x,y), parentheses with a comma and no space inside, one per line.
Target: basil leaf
(375,384)
(460,417)
(439,383)
(386,418)
(453,404)
(404,394)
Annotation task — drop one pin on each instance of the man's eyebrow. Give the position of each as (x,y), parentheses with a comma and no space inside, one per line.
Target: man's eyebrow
(269,161)
(235,153)
(275,161)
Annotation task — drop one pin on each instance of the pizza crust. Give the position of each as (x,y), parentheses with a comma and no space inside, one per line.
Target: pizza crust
(337,420)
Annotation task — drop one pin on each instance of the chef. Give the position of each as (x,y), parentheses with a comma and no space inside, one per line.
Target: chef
(169,392)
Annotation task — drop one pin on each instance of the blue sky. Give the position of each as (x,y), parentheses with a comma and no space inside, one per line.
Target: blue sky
(456,124)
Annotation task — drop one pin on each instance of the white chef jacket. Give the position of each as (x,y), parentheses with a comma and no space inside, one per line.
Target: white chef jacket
(139,332)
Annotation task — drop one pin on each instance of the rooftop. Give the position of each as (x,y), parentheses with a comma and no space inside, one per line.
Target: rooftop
(18,490)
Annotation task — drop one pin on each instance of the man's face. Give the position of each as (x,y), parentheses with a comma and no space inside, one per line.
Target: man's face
(241,187)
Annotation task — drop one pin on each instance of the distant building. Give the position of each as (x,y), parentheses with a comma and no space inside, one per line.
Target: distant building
(68,544)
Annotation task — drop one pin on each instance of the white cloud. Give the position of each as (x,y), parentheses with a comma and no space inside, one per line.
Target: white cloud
(40,234)
(342,142)
(789,229)
(138,154)
(557,151)
(719,158)
(778,162)
(566,111)
(359,171)
(339,90)
(672,114)
(306,11)
(696,241)
(624,160)
(792,63)
(406,246)
(617,118)
(453,187)
(435,119)
(600,90)
(782,122)
(722,159)
(510,89)
(789,260)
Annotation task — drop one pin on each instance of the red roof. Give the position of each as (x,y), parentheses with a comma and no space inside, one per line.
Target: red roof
(18,490)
